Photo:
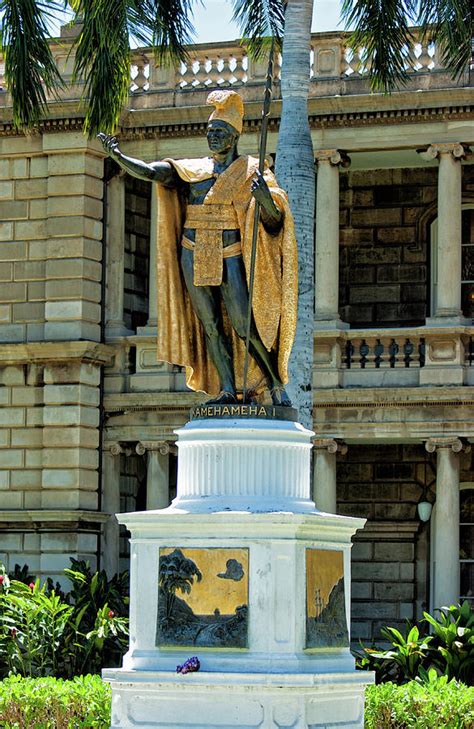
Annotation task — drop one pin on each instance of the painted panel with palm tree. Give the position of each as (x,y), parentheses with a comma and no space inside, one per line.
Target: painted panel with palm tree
(203,597)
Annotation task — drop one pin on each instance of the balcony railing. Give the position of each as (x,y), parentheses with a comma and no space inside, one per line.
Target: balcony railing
(394,357)
(335,68)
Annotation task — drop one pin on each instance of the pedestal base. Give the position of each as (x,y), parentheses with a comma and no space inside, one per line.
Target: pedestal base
(160,700)
(243,572)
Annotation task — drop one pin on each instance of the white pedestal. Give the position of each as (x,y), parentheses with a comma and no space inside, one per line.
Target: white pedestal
(243,489)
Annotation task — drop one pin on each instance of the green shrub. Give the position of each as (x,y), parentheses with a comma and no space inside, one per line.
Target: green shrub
(429,705)
(48,703)
(449,649)
(46,633)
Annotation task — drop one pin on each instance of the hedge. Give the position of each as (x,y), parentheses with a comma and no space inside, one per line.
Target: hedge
(48,703)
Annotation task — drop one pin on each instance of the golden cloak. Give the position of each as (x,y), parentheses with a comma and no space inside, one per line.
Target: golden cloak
(181,338)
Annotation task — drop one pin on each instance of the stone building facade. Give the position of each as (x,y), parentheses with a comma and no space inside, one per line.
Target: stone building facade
(87,415)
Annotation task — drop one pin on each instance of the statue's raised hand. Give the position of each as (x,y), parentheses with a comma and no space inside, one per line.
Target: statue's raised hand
(110,144)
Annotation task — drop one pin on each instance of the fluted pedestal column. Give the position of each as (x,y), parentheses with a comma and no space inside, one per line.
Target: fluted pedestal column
(327,238)
(445,579)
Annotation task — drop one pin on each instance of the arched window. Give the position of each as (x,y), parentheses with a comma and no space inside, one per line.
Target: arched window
(467,281)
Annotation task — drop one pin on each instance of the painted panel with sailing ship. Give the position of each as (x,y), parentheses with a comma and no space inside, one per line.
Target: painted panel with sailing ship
(326,623)
(203,597)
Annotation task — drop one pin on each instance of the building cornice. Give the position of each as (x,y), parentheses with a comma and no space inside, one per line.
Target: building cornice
(57,352)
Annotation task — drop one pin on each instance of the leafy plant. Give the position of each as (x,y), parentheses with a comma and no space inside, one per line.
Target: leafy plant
(44,633)
(448,651)
(453,653)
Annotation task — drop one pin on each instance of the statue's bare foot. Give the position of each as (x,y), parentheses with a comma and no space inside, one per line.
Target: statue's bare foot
(280,396)
(224,398)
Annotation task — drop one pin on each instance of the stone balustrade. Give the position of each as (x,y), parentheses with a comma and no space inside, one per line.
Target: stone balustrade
(333,64)
(394,357)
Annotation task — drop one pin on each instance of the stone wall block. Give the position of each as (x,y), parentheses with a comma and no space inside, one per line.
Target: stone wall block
(26,479)
(73,415)
(75,225)
(4,480)
(86,373)
(39,166)
(11,500)
(385,610)
(65,331)
(5,313)
(394,591)
(74,268)
(12,417)
(27,437)
(74,205)
(31,230)
(71,478)
(70,437)
(74,248)
(29,270)
(29,312)
(75,164)
(73,458)
(38,209)
(6,232)
(10,251)
(11,457)
(68,499)
(70,310)
(13,375)
(73,289)
(61,185)
(27,396)
(71,395)
(13,209)
(31,189)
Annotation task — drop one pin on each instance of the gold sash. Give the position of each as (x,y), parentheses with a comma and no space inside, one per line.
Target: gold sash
(209,221)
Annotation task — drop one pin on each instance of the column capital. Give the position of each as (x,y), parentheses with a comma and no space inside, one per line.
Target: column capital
(115,449)
(451,442)
(333,156)
(456,149)
(162,446)
(330,444)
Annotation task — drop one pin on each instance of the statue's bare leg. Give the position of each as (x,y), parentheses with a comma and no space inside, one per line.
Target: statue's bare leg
(235,294)
(206,304)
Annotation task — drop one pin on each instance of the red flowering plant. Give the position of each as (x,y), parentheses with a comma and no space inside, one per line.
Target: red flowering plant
(44,631)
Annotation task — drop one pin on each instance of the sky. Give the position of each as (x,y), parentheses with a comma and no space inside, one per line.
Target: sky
(213,19)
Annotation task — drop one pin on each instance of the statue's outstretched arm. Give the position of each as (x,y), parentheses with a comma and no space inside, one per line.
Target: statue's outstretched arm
(161,172)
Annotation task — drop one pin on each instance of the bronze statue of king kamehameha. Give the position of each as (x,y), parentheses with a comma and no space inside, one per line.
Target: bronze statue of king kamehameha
(204,237)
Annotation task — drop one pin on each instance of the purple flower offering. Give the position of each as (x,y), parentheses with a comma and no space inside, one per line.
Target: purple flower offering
(189,666)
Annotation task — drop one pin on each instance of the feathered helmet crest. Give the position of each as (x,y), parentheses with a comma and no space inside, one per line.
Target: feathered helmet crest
(229,108)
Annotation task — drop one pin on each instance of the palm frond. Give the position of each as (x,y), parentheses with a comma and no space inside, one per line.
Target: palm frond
(167,23)
(381,34)
(103,60)
(450,23)
(30,70)
(259,22)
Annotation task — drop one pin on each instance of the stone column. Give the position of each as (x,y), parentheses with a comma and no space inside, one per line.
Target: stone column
(448,299)
(327,238)
(157,481)
(324,473)
(446,535)
(111,505)
(115,325)
(152,303)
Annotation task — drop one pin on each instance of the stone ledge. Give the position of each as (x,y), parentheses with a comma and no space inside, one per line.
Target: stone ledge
(57,352)
(51,518)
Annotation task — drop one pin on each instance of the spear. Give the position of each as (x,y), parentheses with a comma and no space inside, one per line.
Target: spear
(261,165)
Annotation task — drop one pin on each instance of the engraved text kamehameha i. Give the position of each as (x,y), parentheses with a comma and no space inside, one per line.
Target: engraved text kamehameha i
(204,251)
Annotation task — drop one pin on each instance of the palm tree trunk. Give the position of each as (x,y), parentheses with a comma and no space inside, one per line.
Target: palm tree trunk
(295,173)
